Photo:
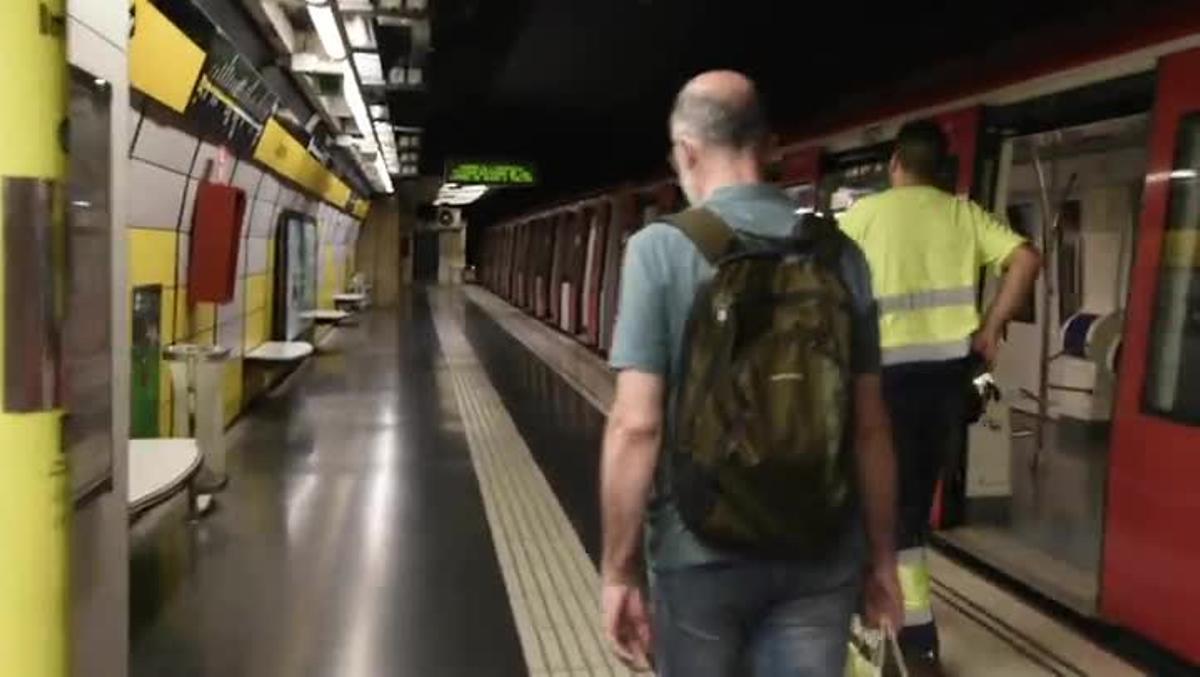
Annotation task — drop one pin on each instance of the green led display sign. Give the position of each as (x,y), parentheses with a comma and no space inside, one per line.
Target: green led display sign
(491,173)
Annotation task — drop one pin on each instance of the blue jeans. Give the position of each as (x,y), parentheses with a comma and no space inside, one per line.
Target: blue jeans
(766,619)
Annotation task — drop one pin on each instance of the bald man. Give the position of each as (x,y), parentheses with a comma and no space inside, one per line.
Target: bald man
(713,611)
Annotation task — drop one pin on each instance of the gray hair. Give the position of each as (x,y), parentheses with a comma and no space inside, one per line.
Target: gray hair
(720,121)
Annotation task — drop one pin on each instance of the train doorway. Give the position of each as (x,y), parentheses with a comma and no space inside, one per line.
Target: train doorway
(1037,464)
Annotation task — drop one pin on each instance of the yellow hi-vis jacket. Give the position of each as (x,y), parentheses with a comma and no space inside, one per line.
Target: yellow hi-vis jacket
(925,248)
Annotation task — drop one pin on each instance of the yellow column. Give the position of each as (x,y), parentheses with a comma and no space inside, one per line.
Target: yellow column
(34,506)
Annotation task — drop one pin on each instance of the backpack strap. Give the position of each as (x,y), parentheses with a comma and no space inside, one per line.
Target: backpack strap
(709,232)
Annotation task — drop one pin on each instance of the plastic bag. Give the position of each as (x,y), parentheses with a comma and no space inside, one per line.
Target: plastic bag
(874,652)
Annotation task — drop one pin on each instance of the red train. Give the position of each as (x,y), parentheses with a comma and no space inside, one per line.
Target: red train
(1083,484)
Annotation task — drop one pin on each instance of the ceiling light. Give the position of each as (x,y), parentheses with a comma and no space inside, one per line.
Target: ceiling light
(1185,174)
(454,196)
(385,178)
(370,69)
(327,29)
(354,99)
(358,31)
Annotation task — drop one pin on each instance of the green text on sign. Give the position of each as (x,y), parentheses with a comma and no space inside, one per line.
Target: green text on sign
(491,173)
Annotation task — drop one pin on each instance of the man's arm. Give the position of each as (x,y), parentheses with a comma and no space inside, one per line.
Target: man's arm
(876,466)
(1020,272)
(877,488)
(629,457)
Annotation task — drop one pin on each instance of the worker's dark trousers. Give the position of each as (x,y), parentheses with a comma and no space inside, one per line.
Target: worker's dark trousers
(927,403)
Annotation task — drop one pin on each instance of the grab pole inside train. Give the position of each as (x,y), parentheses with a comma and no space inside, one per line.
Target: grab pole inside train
(34,506)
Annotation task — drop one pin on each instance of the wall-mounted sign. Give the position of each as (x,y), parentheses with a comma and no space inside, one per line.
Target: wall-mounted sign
(491,173)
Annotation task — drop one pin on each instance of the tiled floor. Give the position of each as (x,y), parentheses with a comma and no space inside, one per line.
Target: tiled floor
(420,500)
(352,540)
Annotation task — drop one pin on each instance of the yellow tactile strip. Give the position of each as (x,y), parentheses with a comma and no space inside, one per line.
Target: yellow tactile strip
(552,586)
(1000,645)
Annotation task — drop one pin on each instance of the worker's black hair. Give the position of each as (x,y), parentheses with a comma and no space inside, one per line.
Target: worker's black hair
(921,149)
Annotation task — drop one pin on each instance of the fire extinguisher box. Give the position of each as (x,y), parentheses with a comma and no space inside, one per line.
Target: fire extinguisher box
(216,241)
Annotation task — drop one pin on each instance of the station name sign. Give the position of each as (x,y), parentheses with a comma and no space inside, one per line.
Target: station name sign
(491,173)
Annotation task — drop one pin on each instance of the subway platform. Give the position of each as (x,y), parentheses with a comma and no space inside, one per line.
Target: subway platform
(420,499)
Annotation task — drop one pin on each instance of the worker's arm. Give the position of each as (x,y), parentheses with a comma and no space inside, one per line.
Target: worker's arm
(877,488)
(630,454)
(1020,272)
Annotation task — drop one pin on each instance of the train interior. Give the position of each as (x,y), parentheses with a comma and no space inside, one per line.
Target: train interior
(1037,463)
(1029,496)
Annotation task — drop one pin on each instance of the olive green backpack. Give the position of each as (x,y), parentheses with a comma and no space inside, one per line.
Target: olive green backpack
(758,423)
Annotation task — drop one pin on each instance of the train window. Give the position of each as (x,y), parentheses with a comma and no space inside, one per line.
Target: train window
(1070,260)
(1023,220)
(1173,372)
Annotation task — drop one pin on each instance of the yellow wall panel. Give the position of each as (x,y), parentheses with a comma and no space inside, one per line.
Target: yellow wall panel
(204,337)
(163,62)
(203,316)
(256,292)
(34,74)
(280,151)
(336,192)
(166,318)
(183,318)
(256,330)
(164,417)
(233,389)
(151,257)
(328,278)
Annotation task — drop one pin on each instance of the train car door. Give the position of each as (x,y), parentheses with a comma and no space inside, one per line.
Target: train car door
(522,292)
(530,288)
(1152,542)
(510,260)
(619,225)
(545,263)
(598,235)
(574,274)
(556,275)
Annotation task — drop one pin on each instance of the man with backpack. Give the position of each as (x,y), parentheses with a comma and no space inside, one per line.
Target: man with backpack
(926,248)
(748,441)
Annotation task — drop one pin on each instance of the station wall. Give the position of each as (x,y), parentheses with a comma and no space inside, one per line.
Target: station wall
(166,165)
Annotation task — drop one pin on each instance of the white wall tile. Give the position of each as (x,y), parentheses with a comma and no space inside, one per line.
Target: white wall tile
(241,264)
(131,125)
(189,205)
(246,215)
(231,333)
(246,176)
(154,196)
(164,145)
(207,152)
(260,219)
(226,312)
(268,190)
(256,255)
(109,19)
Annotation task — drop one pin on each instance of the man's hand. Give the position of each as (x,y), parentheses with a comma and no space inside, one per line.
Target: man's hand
(986,343)
(627,623)
(882,598)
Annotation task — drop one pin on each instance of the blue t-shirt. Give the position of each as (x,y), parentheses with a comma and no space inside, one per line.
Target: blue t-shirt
(661,274)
